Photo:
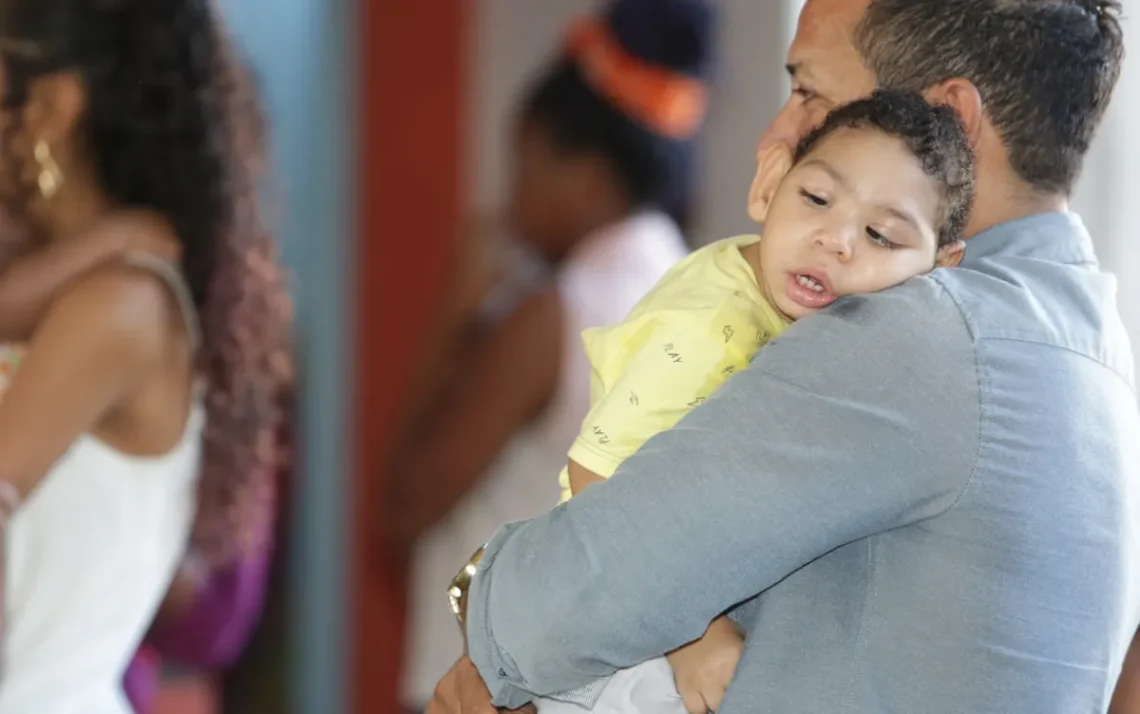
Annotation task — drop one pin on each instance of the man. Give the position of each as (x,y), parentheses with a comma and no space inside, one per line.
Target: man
(924,500)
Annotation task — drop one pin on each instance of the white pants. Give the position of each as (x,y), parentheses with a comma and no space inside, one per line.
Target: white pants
(647,688)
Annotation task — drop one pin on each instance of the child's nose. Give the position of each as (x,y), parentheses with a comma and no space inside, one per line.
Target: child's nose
(838,240)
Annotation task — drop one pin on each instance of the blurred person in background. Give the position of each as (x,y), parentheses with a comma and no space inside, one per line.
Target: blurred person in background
(601,170)
(157,345)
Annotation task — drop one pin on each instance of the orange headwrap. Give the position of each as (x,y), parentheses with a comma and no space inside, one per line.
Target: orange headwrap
(668,103)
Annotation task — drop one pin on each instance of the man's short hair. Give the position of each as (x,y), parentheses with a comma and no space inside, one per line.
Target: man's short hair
(933,134)
(1045,69)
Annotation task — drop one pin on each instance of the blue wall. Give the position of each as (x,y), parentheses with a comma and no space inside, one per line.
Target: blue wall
(302,50)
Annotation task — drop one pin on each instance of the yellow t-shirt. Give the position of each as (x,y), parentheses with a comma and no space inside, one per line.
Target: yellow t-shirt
(701,323)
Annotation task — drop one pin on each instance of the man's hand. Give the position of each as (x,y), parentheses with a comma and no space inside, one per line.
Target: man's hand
(462,691)
(1126,700)
(704,669)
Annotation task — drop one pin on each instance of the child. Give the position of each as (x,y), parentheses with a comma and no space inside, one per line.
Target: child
(878,194)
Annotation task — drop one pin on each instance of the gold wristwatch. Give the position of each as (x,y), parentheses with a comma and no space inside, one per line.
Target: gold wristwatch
(460,584)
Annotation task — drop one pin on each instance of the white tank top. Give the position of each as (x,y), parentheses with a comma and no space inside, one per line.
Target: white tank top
(90,555)
(599,283)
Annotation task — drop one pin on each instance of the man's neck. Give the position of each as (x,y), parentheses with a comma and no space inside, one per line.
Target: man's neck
(998,203)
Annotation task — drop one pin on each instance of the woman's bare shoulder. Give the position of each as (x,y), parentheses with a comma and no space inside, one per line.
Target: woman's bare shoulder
(128,305)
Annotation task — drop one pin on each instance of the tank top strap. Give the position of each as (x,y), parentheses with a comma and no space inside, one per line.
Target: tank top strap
(172,276)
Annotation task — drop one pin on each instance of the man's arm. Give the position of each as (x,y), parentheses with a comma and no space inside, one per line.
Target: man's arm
(856,421)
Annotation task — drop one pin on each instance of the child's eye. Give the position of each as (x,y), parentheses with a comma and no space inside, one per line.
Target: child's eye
(812,198)
(879,239)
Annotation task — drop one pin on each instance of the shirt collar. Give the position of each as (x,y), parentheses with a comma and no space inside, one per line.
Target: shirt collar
(1059,237)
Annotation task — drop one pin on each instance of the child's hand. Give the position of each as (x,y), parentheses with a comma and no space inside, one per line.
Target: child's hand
(703,669)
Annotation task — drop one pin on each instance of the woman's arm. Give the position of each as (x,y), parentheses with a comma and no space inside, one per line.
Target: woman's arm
(501,383)
(30,282)
(89,352)
(473,271)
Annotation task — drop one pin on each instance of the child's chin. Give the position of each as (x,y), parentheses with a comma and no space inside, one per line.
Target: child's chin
(792,310)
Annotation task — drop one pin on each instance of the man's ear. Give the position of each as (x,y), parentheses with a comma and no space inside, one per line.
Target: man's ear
(950,256)
(964,98)
(771,167)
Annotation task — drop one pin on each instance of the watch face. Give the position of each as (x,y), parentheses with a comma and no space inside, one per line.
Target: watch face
(454,595)
(457,591)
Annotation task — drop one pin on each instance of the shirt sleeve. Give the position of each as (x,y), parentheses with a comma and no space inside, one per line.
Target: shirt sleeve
(653,371)
(858,420)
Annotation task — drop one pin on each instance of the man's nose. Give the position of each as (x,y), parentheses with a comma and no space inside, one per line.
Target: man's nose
(790,126)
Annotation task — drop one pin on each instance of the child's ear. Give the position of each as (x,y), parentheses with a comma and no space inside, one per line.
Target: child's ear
(949,256)
(771,168)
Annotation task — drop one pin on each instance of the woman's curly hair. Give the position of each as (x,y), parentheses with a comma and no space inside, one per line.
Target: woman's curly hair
(173,125)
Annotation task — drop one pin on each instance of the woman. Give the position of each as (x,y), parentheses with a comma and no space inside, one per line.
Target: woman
(158,365)
(209,615)
(602,166)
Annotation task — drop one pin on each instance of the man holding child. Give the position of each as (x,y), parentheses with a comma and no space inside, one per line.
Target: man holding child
(921,500)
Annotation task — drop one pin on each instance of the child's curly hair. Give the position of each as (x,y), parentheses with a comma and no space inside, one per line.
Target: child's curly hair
(932,133)
(173,125)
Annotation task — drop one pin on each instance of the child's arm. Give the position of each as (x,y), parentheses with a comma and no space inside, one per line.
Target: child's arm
(30,282)
(581,477)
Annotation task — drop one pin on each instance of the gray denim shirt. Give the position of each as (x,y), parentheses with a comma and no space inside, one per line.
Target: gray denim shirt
(923,500)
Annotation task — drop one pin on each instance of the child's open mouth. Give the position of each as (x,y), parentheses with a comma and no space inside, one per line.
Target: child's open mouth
(810,289)
(810,283)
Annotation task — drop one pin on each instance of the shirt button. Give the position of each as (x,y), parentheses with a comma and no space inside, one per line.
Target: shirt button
(502,673)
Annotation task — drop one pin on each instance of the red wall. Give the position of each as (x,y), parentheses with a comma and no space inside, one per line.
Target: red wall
(411,111)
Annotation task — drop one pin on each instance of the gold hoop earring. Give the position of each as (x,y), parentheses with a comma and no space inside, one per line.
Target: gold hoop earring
(50,177)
